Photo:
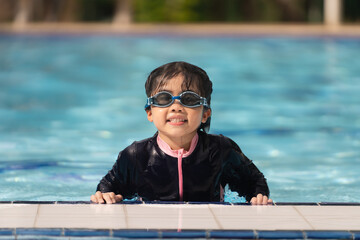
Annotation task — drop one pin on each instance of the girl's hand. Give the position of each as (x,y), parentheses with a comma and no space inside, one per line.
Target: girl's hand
(261,200)
(108,197)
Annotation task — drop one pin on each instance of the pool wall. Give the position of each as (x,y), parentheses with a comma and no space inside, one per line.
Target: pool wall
(69,220)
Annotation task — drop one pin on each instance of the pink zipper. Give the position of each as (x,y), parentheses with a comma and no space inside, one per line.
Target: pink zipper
(179,154)
(181,188)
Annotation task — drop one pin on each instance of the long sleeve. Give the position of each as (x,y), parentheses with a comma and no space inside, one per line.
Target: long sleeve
(242,175)
(120,178)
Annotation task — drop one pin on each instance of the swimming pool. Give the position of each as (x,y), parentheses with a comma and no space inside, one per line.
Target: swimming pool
(69,104)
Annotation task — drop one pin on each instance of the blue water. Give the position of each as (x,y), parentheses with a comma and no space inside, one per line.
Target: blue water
(69,104)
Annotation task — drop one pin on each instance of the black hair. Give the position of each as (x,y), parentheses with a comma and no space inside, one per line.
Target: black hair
(194,77)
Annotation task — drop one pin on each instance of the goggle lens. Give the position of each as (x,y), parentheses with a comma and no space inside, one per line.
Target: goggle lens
(190,99)
(162,99)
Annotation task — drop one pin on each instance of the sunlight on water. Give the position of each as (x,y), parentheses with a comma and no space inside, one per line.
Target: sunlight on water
(69,104)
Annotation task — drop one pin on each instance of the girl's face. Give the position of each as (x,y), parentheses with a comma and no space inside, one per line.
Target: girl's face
(176,124)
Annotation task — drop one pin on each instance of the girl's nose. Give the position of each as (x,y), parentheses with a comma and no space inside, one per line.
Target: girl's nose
(176,106)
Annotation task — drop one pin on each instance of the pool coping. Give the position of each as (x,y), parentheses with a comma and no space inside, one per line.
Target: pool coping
(50,233)
(186,29)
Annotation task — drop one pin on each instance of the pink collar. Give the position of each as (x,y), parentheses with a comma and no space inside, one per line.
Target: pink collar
(175,153)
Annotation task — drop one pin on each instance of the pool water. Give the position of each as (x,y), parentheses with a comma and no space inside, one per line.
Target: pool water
(69,104)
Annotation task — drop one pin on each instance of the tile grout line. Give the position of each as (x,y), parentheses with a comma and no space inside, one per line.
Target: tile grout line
(37,215)
(352,235)
(215,218)
(303,217)
(207,233)
(126,216)
(304,234)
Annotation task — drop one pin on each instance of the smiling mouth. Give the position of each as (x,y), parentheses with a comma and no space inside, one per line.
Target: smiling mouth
(176,120)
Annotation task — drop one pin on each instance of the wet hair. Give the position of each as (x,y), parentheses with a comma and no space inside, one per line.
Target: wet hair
(195,79)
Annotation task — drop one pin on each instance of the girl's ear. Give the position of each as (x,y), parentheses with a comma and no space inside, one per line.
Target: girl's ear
(149,114)
(206,115)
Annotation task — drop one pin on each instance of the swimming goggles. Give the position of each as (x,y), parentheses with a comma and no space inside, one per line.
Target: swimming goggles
(187,99)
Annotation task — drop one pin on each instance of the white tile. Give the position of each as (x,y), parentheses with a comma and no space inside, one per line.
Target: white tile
(165,216)
(332,217)
(81,216)
(17,215)
(259,217)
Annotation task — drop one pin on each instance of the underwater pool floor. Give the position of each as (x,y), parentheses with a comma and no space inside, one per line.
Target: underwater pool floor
(185,220)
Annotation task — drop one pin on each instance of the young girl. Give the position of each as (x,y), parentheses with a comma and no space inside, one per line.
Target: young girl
(181,162)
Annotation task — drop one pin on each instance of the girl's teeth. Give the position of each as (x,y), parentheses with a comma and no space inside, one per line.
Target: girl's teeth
(176,120)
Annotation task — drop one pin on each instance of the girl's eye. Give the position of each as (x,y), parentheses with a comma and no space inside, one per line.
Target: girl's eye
(163,98)
(190,99)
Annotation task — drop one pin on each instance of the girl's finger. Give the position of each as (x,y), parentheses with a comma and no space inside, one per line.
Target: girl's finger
(265,200)
(118,198)
(111,197)
(99,197)
(93,199)
(253,201)
(259,199)
(107,198)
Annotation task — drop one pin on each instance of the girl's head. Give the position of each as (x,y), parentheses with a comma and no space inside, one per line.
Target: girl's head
(194,79)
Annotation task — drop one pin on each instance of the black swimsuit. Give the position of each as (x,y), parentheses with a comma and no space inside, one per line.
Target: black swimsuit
(143,170)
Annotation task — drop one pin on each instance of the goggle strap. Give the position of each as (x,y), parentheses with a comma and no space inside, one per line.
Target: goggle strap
(149,101)
(205,102)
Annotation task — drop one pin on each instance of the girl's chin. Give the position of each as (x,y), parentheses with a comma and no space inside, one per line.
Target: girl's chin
(177,133)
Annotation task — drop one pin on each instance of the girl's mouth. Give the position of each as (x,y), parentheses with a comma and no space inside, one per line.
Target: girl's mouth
(176,121)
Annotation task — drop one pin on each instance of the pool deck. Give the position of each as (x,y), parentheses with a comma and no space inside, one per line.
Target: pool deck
(180,220)
(204,29)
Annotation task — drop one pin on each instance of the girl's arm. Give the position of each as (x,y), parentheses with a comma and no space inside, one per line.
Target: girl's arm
(116,184)
(244,177)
